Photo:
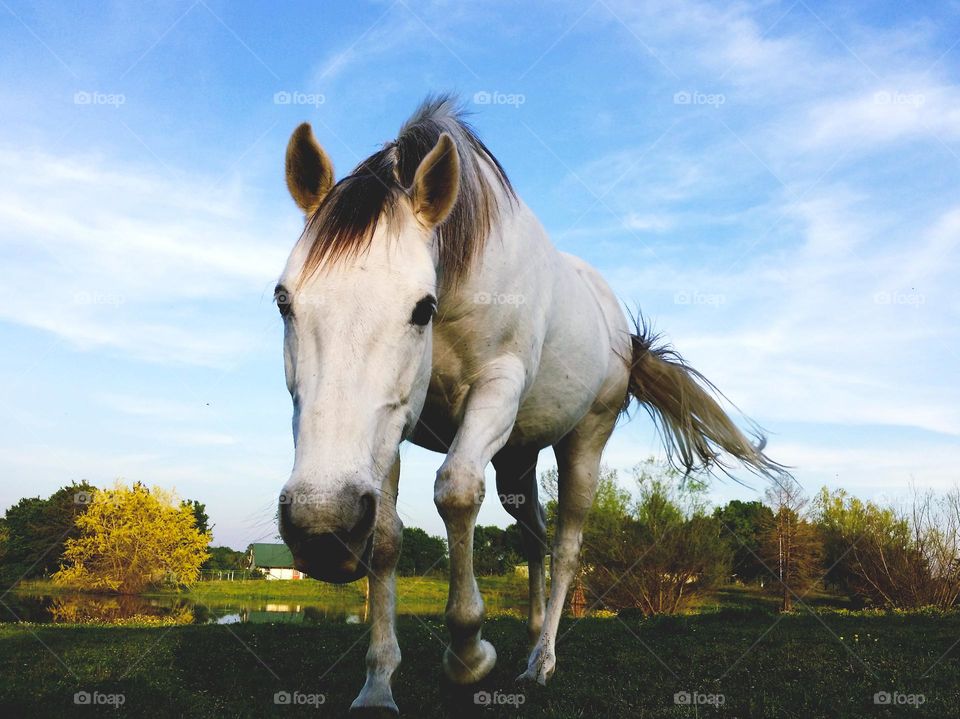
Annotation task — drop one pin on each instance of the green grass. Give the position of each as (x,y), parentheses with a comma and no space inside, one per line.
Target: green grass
(744,597)
(765,665)
(413,589)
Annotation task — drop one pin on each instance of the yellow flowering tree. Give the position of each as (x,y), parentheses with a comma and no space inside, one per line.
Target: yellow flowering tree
(132,538)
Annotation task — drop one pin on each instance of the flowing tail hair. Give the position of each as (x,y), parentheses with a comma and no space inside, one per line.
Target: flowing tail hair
(681,401)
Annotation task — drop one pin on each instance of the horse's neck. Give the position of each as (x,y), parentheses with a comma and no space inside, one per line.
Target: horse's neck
(516,259)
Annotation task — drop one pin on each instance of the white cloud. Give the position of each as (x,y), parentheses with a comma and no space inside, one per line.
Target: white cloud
(113,256)
(155,407)
(901,111)
(831,328)
(648,222)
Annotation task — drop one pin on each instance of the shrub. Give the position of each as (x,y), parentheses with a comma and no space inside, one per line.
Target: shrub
(893,558)
(657,554)
(134,538)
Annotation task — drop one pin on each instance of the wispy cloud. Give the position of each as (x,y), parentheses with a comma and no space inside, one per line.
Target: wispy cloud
(155,407)
(114,257)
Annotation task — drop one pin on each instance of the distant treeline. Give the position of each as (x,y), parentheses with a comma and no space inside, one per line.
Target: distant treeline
(657,548)
(660,548)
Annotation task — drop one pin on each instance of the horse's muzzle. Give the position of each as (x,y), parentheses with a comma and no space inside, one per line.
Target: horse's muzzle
(330,558)
(335,555)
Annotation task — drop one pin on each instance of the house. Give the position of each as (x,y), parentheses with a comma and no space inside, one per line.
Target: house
(274,560)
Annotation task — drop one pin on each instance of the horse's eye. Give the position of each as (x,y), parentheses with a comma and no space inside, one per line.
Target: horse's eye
(284,300)
(423,312)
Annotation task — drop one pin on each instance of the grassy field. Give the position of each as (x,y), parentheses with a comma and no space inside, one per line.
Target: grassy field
(825,665)
(429,590)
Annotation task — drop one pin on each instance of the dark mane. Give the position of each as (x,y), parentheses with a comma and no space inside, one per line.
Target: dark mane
(344,223)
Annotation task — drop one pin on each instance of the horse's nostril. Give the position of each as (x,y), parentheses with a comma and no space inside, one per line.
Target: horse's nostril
(288,528)
(367,515)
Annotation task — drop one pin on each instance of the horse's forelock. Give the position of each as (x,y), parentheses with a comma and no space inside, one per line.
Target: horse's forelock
(345,222)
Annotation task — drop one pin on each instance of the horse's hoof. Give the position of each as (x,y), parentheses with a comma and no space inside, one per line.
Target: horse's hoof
(375,702)
(384,712)
(471,668)
(371,711)
(531,676)
(540,668)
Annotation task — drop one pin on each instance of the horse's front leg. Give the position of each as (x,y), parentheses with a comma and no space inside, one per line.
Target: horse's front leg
(488,420)
(383,655)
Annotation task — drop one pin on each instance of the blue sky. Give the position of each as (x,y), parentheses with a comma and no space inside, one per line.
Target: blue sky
(774,184)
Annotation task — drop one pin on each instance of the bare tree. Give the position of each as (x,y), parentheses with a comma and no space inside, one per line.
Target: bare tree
(790,546)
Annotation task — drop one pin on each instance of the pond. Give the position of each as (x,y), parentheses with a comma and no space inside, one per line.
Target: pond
(77,607)
(81,607)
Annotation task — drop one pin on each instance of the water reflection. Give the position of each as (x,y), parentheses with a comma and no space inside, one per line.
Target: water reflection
(117,609)
(79,608)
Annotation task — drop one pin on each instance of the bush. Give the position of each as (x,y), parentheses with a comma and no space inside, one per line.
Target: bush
(658,554)
(892,558)
(134,538)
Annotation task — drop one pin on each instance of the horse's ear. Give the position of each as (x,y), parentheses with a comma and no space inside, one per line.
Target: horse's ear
(309,170)
(436,182)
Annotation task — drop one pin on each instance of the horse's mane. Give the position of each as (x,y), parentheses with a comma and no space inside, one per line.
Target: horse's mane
(344,223)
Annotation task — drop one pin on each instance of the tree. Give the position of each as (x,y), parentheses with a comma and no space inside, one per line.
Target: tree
(658,553)
(495,550)
(744,524)
(790,545)
(4,539)
(421,553)
(36,530)
(893,557)
(133,538)
(225,558)
(610,502)
(200,517)
(604,531)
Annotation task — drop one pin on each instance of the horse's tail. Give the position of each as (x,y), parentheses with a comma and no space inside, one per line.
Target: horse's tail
(695,428)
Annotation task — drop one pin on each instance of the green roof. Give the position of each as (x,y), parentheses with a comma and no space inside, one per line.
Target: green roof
(270,555)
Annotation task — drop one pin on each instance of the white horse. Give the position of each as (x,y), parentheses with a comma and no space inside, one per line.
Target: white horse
(424,302)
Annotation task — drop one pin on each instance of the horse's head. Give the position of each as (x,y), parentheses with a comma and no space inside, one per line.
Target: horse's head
(357,297)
